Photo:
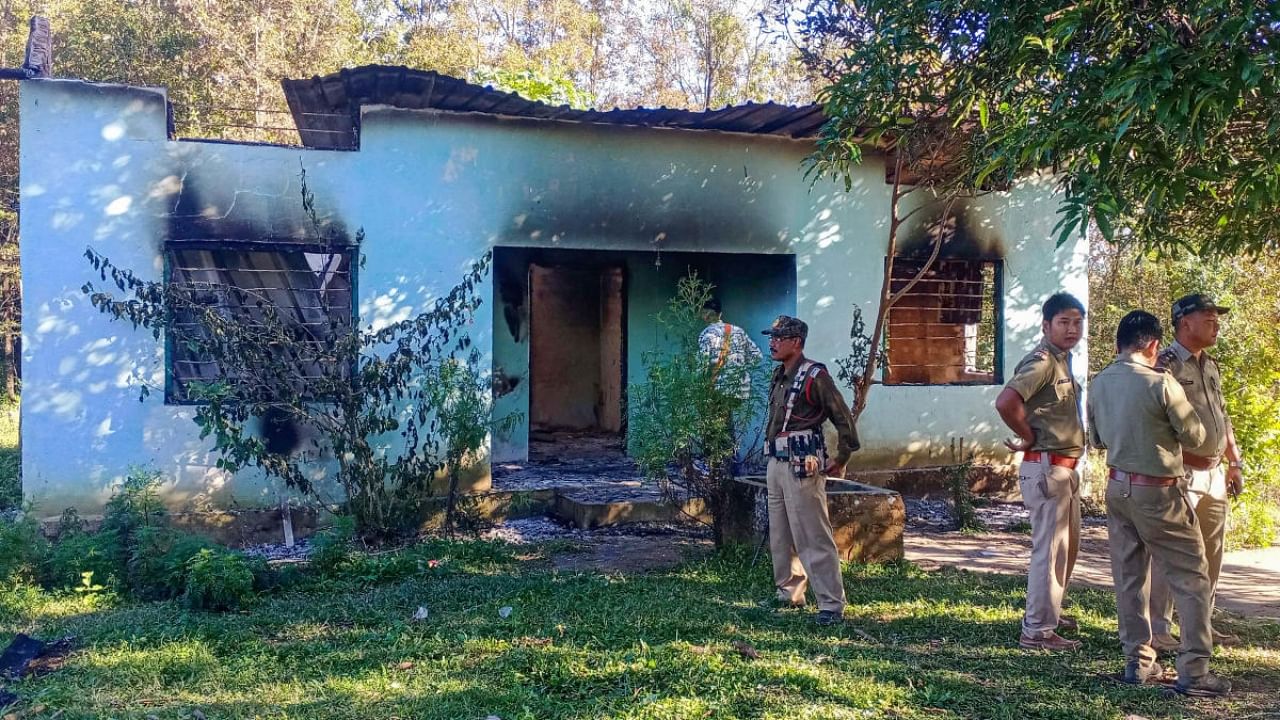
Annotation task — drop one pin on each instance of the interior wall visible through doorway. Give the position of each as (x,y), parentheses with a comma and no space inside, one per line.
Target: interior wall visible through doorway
(576,346)
(753,288)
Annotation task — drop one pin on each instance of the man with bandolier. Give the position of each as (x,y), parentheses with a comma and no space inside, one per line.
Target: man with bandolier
(802,396)
(1141,417)
(1041,404)
(1209,480)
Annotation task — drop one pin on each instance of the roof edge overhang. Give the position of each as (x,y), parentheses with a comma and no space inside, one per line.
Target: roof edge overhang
(327,109)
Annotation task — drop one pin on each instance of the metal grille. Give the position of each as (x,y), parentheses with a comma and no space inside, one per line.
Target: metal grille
(311,291)
(945,330)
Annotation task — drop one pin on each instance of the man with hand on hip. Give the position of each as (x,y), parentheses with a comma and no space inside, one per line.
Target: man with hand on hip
(1041,404)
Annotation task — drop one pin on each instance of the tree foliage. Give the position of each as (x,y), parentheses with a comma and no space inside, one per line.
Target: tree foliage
(691,413)
(1121,279)
(1160,118)
(222,63)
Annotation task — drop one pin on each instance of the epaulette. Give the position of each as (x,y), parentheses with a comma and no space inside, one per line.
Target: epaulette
(1040,354)
(1165,359)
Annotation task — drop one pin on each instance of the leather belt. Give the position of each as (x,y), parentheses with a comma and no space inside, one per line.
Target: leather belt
(1199,462)
(1140,479)
(1054,459)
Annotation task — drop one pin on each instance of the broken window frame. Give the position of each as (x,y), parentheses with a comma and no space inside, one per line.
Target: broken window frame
(910,266)
(173,386)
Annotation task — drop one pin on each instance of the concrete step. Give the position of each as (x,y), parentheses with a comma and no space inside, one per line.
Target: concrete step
(591,508)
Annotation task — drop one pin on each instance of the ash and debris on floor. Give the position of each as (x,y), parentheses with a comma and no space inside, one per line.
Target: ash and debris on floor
(930,515)
(571,460)
(530,531)
(301,550)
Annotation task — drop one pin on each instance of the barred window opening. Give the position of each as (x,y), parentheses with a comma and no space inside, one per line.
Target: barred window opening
(945,329)
(308,289)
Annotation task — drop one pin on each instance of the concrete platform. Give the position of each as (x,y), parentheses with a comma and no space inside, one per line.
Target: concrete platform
(867,521)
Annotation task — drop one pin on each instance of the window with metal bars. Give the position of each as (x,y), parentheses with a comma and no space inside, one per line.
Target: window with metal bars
(946,329)
(310,290)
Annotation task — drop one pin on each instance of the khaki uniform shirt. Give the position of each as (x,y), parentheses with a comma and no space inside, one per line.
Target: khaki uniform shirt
(1202,382)
(1142,418)
(1052,397)
(824,402)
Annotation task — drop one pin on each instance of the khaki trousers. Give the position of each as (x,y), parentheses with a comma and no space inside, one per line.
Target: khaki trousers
(800,540)
(1146,522)
(1207,492)
(1051,494)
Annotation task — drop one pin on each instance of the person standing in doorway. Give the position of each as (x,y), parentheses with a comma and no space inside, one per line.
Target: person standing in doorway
(729,349)
(1210,481)
(1141,417)
(802,396)
(1041,404)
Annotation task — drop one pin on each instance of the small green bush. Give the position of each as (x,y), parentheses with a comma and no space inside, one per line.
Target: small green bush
(331,548)
(135,504)
(22,549)
(158,561)
(78,552)
(1252,522)
(217,580)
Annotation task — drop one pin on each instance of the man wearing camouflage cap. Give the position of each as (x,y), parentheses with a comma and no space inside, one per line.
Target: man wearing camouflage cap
(1212,467)
(802,396)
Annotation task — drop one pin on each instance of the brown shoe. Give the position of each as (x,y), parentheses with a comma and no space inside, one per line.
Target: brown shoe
(1051,641)
(1207,685)
(1136,673)
(1068,622)
(1223,639)
(1165,642)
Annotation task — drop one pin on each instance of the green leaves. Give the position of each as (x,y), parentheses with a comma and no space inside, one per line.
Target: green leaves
(1156,119)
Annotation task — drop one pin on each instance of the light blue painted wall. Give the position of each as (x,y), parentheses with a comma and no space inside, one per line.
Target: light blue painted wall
(433,191)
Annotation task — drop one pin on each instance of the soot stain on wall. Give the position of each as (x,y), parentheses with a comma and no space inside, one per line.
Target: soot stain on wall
(963,236)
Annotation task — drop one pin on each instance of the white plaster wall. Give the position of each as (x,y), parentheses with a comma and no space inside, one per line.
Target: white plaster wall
(433,191)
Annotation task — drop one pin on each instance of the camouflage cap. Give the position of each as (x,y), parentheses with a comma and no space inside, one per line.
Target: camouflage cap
(788,327)
(1195,302)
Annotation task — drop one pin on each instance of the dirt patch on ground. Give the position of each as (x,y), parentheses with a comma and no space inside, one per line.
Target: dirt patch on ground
(631,553)
(1249,585)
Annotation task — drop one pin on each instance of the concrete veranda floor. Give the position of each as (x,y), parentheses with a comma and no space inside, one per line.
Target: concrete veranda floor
(1249,585)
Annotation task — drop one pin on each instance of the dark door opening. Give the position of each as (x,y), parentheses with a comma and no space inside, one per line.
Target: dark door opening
(576,349)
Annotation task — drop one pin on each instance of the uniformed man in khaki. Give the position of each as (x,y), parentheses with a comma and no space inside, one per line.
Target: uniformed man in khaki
(1141,417)
(1213,466)
(802,396)
(1041,404)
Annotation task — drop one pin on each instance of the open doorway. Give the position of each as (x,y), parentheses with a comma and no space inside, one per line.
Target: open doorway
(576,349)
(572,328)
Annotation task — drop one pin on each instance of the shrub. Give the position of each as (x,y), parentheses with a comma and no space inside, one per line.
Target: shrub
(691,413)
(415,380)
(331,548)
(158,561)
(78,552)
(22,549)
(1252,522)
(217,580)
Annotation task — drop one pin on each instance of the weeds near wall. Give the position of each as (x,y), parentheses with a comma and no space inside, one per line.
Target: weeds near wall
(691,413)
(960,482)
(389,409)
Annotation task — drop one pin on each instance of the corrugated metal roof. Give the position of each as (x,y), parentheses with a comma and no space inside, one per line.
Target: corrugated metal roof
(327,109)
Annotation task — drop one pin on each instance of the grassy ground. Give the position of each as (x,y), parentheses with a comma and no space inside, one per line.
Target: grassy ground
(663,645)
(10,462)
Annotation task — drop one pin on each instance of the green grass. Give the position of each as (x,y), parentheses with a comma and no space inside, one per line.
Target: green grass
(917,645)
(10,460)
